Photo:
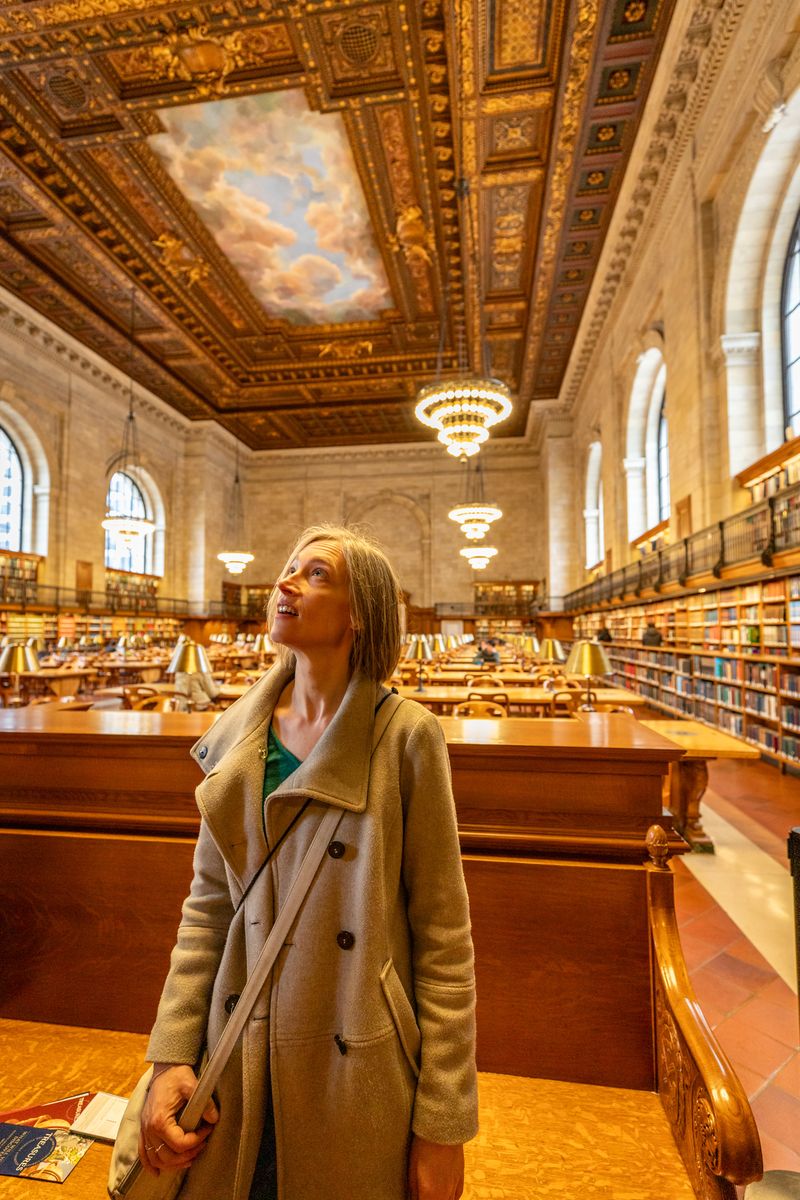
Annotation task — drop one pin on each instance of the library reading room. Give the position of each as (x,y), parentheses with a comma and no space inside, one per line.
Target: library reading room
(400,599)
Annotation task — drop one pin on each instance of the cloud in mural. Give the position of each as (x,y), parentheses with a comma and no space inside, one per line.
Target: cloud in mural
(277,187)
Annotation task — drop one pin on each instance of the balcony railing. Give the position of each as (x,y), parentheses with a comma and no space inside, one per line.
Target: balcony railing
(759,532)
(26,594)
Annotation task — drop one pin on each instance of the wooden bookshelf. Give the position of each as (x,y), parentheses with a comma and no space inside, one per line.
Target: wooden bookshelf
(730,657)
(128,586)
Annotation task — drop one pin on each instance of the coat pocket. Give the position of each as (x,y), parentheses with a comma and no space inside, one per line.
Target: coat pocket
(402,1014)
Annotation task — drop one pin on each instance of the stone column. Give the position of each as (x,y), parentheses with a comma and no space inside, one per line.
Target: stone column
(635,481)
(745,415)
(562,544)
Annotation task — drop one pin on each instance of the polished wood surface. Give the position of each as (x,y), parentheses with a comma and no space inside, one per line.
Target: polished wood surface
(702,741)
(688,778)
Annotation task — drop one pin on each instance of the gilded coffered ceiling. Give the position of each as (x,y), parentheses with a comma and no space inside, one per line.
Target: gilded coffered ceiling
(318,204)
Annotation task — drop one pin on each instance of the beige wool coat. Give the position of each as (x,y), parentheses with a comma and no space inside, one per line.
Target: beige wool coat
(368,1023)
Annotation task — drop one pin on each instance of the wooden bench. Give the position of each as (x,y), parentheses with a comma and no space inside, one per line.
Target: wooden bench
(581,978)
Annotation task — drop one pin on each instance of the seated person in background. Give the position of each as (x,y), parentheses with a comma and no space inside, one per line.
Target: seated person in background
(194,692)
(486,653)
(605,634)
(651,636)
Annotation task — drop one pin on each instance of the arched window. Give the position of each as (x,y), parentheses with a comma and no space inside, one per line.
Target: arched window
(645,459)
(663,462)
(125,496)
(12,482)
(790,330)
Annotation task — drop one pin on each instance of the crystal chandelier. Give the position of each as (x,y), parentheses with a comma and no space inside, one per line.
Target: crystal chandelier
(475,515)
(120,521)
(236,560)
(478,556)
(463,410)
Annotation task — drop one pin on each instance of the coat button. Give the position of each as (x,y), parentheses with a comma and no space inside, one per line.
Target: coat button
(336,849)
(345,940)
(231,1002)
(202,752)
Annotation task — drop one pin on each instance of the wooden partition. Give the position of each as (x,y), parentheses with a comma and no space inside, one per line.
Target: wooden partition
(577,954)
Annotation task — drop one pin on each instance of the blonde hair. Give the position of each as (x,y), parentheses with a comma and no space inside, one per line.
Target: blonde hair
(374,594)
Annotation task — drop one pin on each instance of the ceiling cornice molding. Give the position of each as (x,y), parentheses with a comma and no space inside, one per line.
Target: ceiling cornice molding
(27,326)
(404,452)
(691,71)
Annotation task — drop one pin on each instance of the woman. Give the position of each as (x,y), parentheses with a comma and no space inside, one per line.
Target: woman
(356,1071)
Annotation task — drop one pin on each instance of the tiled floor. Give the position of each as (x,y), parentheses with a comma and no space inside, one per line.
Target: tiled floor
(754,1012)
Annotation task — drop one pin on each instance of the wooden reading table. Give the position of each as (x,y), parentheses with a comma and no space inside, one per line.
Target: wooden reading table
(688,777)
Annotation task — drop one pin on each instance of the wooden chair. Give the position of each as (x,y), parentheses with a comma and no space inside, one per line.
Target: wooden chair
(483,680)
(495,698)
(479,708)
(563,703)
(154,703)
(136,691)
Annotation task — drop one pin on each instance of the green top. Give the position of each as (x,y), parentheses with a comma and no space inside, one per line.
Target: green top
(279,765)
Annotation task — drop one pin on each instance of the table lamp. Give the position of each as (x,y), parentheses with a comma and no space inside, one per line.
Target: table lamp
(189,658)
(529,646)
(551,650)
(419,651)
(16,659)
(588,658)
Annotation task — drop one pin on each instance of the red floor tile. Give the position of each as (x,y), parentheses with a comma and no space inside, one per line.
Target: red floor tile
(713,991)
(778,1115)
(745,974)
(744,949)
(775,1020)
(744,1044)
(777,1156)
(788,1078)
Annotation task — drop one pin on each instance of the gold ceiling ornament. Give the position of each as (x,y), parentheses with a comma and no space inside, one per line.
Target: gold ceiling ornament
(475,515)
(121,522)
(478,557)
(235,560)
(177,259)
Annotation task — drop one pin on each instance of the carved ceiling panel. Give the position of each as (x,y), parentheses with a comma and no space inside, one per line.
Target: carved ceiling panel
(311,199)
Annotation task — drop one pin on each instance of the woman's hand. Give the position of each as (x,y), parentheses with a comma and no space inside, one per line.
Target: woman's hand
(163,1145)
(435,1172)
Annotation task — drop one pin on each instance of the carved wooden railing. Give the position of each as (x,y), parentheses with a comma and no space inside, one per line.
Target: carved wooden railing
(706,1105)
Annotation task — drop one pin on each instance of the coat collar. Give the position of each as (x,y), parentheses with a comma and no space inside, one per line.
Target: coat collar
(337,769)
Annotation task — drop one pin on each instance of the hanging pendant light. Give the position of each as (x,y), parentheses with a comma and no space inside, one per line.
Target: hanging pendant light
(464,408)
(478,556)
(120,521)
(236,560)
(475,515)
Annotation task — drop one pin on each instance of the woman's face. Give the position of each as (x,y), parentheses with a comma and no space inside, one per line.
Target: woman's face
(313,610)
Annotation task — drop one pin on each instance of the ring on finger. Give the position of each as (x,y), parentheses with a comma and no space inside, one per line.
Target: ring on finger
(158,1149)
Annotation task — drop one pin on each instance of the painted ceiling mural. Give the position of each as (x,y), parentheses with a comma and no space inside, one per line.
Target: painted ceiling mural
(276,185)
(298,194)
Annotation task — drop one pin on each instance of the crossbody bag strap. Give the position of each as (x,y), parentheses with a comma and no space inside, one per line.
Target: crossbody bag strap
(190,1117)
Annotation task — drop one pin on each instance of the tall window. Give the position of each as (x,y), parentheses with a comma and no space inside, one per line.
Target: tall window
(11,487)
(663,463)
(790,313)
(125,496)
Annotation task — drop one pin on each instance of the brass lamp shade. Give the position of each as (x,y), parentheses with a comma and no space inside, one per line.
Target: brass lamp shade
(530,645)
(16,659)
(64,643)
(189,658)
(262,644)
(439,643)
(36,644)
(588,658)
(419,650)
(551,650)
